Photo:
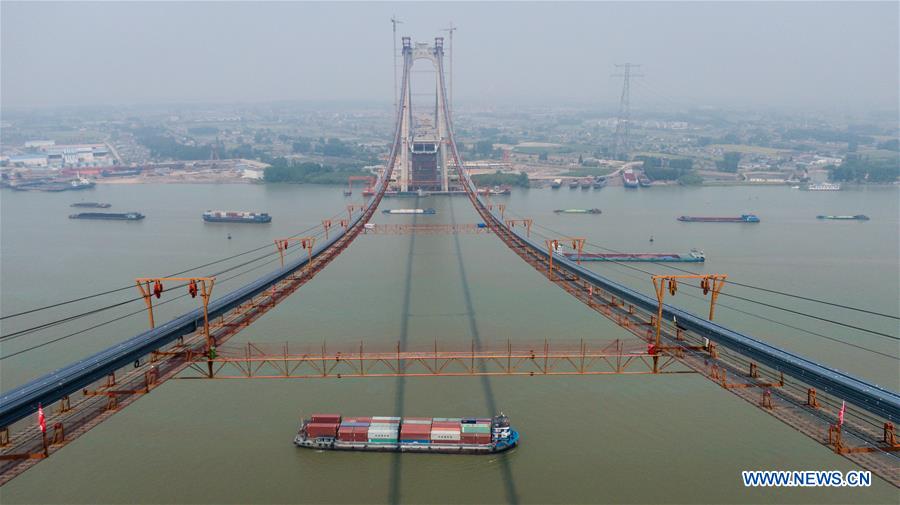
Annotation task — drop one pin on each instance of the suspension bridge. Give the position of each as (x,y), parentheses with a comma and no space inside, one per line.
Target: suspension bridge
(664,340)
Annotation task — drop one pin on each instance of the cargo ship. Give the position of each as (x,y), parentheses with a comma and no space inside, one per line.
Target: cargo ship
(227,216)
(857,217)
(695,256)
(91,205)
(467,435)
(629,179)
(577,211)
(744,218)
(110,216)
(556,183)
(409,211)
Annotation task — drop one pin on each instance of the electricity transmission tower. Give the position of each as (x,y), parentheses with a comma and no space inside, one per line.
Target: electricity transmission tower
(621,144)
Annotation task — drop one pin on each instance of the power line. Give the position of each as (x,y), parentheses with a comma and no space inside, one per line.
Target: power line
(124,316)
(123,288)
(763,317)
(57,322)
(748,286)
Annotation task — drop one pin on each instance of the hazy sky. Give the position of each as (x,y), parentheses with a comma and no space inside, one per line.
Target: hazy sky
(822,55)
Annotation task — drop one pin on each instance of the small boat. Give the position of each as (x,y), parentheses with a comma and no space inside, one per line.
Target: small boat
(556,183)
(109,216)
(91,205)
(577,211)
(586,183)
(599,183)
(857,217)
(409,211)
(348,192)
(644,181)
(573,184)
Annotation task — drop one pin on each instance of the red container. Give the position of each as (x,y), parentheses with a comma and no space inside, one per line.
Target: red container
(326,418)
(415,432)
(468,438)
(315,430)
(357,419)
(361,434)
(416,419)
(445,425)
(346,434)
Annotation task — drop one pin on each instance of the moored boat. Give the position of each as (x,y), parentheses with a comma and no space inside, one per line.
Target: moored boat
(823,186)
(411,434)
(629,178)
(573,184)
(556,183)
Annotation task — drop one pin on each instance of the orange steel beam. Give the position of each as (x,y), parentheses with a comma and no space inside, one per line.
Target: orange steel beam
(511,223)
(267,361)
(404,229)
(663,283)
(306,243)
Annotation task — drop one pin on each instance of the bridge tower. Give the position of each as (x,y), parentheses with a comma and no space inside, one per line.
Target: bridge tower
(424,136)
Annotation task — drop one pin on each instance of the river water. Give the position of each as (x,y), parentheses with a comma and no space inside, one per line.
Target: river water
(602,439)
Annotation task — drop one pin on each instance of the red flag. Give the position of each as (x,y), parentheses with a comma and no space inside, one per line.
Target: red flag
(42,423)
(841,414)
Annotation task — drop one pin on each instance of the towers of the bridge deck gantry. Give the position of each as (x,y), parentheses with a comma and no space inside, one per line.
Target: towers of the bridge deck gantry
(422,162)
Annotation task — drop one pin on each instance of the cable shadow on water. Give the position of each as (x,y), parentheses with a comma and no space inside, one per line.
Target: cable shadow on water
(396,461)
(490,400)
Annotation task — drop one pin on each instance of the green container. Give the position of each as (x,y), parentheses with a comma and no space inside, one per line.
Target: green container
(382,440)
(476,428)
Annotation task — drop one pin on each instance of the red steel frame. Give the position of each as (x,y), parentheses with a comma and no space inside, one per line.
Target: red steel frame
(279,361)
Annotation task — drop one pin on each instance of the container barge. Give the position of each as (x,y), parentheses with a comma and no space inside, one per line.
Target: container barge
(577,211)
(409,211)
(857,217)
(629,178)
(695,256)
(743,218)
(227,216)
(91,205)
(467,435)
(109,216)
